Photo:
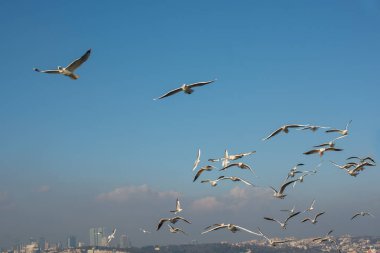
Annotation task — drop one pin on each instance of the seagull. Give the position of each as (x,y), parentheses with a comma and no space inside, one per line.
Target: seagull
(197,161)
(293,171)
(237,179)
(283,224)
(342,132)
(238,156)
(187,88)
(311,208)
(313,221)
(213,182)
(233,228)
(111,236)
(273,242)
(280,194)
(289,210)
(313,128)
(284,129)
(331,143)
(323,239)
(227,158)
(175,230)
(358,167)
(201,170)
(300,179)
(171,220)
(362,214)
(344,167)
(320,151)
(69,70)
(240,165)
(362,159)
(178,208)
(144,231)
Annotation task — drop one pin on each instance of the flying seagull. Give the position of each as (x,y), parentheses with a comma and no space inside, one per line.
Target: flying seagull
(342,132)
(197,161)
(111,236)
(364,159)
(69,70)
(293,171)
(213,182)
(171,220)
(240,165)
(178,208)
(289,210)
(320,239)
(237,179)
(311,208)
(313,221)
(284,129)
(283,224)
(201,170)
(233,228)
(362,214)
(321,151)
(280,194)
(187,88)
(175,230)
(344,167)
(273,242)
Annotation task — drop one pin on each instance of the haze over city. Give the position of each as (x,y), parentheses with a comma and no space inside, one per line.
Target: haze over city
(100,152)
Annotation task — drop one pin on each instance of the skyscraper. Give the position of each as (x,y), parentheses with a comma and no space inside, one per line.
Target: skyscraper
(71,242)
(123,241)
(96,236)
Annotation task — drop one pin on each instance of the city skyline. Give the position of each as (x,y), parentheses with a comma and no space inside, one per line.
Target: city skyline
(100,152)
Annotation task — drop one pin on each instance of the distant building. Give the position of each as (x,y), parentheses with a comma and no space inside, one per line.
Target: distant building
(71,242)
(41,243)
(123,241)
(97,237)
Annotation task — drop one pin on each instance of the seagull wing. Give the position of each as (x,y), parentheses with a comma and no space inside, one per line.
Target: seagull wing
(322,145)
(291,216)
(333,130)
(229,165)
(213,160)
(161,222)
(214,228)
(200,171)
(247,230)
(356,215)
(246,182)
(75,64)
(271,219)
(172,92)
(294,126)
(200,84)
(282,189)
(175,219)
(313,151)
(55,71)
(273,134)
(307,219)
(334,149)
(197,160)
(319,214)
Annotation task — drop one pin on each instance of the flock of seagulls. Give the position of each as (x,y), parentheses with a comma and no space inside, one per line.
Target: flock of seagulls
(354,166)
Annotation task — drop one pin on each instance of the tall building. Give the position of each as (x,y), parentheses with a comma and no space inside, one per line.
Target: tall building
(97,237)
(71,242)
(41,243)
(123,241)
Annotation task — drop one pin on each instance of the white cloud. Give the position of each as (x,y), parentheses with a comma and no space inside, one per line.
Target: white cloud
(206,204)
(127,193)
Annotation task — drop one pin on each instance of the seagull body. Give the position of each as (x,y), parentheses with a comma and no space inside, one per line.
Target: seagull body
(240,165)
(111,236)
(213,182)
(198,160)
(171,220)
(201,170)
(362,214)
(231,227)
(186,88)
(237,179)
(283,224)
(284,129)
(343,132)
(321,151)
(69,70)
(238,156)
(280,194)
(178,208)
(313,221)
(175,230)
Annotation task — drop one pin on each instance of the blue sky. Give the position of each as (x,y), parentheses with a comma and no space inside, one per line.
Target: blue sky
(64,143)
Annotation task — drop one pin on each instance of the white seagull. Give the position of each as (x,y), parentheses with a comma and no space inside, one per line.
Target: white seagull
(280,194)
(311,208)
(233,228)
(178,208)
(321,151)
(342,132)
(237,179)
(283,224)
(69,70)
(197,161)
(273,242)
(175,230)
(213,182)
(313,221)
(171,220)
(240,165)
(289,210)
(284,129)
(111,236)
(186,88)
(362,214)
(201,170)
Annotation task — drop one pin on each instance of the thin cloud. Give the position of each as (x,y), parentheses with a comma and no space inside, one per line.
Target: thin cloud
(43,188)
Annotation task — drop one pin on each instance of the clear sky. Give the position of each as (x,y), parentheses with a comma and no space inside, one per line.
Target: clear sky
(99,151)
